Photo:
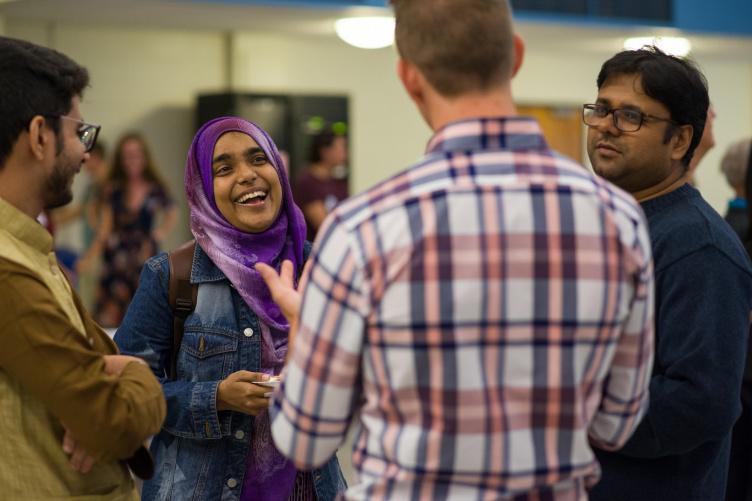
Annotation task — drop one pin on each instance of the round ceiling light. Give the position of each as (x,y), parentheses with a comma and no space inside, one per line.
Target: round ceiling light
(675,46)
(366,32)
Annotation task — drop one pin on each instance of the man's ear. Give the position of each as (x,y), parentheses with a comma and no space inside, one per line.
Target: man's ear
(519,54)
(38,137)
(412,80)
(680,142)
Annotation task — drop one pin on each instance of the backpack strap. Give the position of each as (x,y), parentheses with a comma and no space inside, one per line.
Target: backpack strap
(181,295)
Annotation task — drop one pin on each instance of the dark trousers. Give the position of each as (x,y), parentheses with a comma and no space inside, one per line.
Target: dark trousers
(739,487)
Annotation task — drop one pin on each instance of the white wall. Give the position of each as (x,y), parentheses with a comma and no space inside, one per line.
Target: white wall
(551,77)
(730,84)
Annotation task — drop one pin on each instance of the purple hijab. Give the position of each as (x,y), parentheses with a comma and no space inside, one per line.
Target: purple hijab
(269,475)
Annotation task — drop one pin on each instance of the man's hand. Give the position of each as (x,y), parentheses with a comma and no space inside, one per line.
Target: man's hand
(238,393)
(282,287)
(285,295)
(114,364)
(80,460)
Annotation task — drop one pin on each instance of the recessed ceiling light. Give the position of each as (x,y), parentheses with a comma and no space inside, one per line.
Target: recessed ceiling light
(366,32)
(675,46)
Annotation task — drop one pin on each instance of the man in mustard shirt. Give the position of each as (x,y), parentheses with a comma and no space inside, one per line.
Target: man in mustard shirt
(72,411)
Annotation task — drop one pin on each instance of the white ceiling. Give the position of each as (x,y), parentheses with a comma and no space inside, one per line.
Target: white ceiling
(184,14)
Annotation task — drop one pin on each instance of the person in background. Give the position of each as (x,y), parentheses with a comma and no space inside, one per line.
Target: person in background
(486,314)
(324,184)
(92,202)
(735,166)
(134,200)
(72,409)
(216,441)
(643,129)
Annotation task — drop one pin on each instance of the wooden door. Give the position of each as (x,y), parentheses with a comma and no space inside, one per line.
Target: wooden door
(562,127)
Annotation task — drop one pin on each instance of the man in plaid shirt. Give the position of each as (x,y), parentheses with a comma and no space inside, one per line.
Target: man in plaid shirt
(486,314)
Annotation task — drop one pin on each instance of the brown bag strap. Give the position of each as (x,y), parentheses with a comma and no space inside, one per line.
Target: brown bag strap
(182,296)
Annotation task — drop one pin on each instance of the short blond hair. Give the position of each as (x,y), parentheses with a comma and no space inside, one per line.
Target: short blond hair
(735,162)
(460,46)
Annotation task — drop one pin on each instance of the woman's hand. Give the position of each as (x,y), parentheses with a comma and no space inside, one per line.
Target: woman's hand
(238,393)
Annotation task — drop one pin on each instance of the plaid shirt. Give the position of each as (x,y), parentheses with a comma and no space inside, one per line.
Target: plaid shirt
(486,313)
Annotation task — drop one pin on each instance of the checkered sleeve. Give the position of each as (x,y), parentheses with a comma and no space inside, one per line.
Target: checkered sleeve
(312,411)
(625,397)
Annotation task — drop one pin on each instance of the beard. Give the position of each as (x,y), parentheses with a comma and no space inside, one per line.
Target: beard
(58,187)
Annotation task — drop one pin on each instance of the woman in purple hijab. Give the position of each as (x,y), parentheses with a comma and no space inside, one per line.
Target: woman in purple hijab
(216,441)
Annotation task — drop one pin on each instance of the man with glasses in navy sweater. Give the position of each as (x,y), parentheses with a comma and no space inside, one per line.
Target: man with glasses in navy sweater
(642,132)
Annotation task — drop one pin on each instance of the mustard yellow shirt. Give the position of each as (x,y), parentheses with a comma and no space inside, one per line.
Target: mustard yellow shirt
(52,372)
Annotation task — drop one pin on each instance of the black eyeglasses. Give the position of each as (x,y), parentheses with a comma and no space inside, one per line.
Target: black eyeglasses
(625,119)
(87,133)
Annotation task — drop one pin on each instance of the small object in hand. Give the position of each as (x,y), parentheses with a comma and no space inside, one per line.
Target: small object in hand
(272,382)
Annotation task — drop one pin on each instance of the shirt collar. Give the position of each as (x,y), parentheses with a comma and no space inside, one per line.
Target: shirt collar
(508,133)
(24,228)
(203,268)
(683,192)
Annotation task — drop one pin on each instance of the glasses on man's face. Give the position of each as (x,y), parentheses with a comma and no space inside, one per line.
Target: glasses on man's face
(87,133)
(625,119)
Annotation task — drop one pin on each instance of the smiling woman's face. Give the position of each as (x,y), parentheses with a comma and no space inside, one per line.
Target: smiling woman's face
(246,185)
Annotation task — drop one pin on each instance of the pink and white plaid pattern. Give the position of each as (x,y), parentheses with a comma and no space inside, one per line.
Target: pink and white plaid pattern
(486,314)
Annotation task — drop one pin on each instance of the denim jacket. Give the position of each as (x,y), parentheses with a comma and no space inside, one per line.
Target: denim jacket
(200,453)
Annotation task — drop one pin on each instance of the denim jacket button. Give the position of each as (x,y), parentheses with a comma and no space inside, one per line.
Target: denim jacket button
(248,332)
(240,434)
(232,483)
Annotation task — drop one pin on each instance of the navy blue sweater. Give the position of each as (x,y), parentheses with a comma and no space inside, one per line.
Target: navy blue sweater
(703,296)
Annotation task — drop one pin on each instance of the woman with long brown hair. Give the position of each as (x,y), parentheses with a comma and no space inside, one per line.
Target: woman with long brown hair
(136,197)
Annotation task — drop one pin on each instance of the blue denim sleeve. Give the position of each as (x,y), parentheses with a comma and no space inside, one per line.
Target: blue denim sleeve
(146,332)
